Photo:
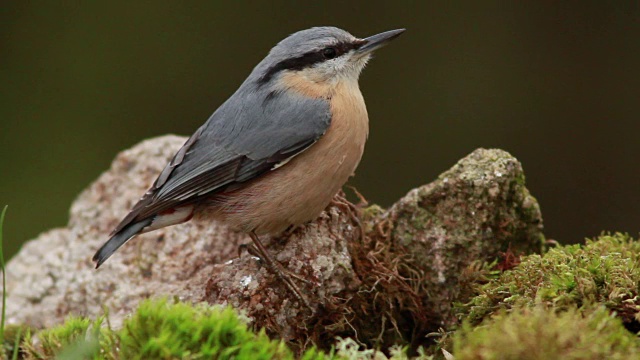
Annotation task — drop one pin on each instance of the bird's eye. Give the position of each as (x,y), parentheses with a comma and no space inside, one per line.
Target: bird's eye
(329,53)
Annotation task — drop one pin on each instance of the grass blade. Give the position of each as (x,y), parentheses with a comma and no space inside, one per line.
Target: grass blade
(4,292)
(16,345)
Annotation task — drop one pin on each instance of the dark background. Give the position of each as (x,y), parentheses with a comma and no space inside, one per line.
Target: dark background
(556,85)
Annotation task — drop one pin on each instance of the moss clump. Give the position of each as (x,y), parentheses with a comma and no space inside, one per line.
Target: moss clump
(605,271)
(163,330)
(541,333)
(371,212)
(160,330)
(188,332)
(77,338)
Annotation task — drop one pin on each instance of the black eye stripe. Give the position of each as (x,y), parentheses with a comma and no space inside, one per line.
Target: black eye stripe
(344,47)
(308,59)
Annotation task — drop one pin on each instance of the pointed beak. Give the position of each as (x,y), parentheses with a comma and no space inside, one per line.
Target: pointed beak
(377,41)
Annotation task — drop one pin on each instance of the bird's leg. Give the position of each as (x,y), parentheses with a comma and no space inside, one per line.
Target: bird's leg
(249,248)
(276,268)
(253,251)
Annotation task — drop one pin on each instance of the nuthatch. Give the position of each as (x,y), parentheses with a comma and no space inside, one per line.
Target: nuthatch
(276,152)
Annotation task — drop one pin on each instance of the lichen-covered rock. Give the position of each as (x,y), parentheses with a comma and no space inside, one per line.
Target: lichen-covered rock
(318,253)
(379,276)
(421,252)
(474,211)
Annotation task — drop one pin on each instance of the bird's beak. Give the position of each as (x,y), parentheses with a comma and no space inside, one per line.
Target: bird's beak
(377,41)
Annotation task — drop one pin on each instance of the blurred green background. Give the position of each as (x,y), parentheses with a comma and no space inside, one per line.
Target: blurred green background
(555,84)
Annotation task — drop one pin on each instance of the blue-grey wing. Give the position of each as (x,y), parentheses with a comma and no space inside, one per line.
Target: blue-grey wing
(247,136)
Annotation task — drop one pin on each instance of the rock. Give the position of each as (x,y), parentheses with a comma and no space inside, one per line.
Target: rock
(476,210)
(370,276)
(419,256)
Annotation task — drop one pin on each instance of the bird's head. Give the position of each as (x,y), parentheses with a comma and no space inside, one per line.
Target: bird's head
(320,56)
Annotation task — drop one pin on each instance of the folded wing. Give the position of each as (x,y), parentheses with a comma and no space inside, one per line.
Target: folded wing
(247,136)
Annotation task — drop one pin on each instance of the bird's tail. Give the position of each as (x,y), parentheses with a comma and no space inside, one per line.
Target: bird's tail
(122,235)
(118,239)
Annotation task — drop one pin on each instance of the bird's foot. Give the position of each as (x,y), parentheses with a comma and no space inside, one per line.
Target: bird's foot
(257,249)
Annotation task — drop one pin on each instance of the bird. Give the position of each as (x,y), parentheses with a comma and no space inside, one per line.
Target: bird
(275,153)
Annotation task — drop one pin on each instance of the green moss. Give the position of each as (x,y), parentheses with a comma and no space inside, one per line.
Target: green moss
(422,219)
(76,336)
(372,212)
(163,330)
(159,330)
(604,271)
(541,333)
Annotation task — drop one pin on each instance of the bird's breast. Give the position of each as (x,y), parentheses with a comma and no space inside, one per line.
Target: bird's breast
(349,120)
(335,156)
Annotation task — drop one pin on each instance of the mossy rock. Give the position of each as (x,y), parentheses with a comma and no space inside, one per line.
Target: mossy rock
(604,271)
(573,302)
(541,333)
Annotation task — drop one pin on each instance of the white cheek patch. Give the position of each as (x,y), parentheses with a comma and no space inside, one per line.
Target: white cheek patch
(348,67)
(330,69)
